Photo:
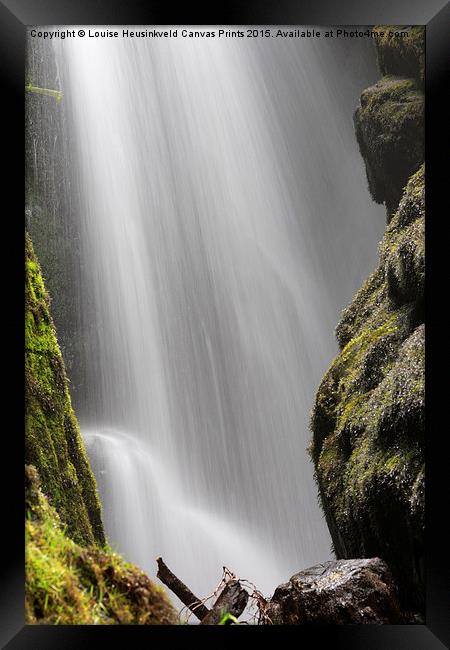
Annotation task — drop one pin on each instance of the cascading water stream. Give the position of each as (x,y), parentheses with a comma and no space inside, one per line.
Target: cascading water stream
(224,222)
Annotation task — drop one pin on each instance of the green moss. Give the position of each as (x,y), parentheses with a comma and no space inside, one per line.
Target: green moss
(379,295)
(69,584)
(371,427)
(402,250)
(53,441)
(368,302)
(368,417)
(401,56)
(340,401)
(389,125)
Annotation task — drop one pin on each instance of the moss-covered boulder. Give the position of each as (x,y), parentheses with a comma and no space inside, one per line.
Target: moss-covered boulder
(69,584)
(402,55)
(53,443)
(368,417)
(390,134)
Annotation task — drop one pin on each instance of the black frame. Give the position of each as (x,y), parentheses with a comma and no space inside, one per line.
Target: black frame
(15,15)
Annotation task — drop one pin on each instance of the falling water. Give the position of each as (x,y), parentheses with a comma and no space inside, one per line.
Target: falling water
(224,223)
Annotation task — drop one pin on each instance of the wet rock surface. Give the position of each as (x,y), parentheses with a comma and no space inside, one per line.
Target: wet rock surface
(390,134)
(338,592)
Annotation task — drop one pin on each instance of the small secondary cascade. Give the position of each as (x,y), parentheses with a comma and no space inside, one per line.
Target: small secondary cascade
(196,538)
(224,223)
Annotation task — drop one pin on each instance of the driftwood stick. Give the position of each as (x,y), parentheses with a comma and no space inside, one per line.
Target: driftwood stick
(179,589)
(232,600)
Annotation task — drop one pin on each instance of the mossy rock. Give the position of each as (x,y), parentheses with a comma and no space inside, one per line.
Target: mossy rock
(402,250)
(389,125)
(368,417)
(380,296)
(403,56)
(69,584)
(53,443)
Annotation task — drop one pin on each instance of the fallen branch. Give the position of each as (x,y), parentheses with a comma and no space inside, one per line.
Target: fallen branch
(184,593)
(232,600)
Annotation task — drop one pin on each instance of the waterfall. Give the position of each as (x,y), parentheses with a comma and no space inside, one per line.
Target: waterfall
(224,222)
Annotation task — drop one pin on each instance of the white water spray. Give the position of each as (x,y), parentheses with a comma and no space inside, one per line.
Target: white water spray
(225,221)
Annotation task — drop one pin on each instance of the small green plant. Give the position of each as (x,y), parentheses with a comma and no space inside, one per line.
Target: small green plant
(57,94)
(228,617)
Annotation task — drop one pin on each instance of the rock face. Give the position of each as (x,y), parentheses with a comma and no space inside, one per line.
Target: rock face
(389,123)
(368,417)
(403,56)
(337,593)
(389,129)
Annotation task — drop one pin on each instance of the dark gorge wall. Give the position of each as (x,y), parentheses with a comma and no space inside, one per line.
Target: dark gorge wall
(52,211)
(368,417)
